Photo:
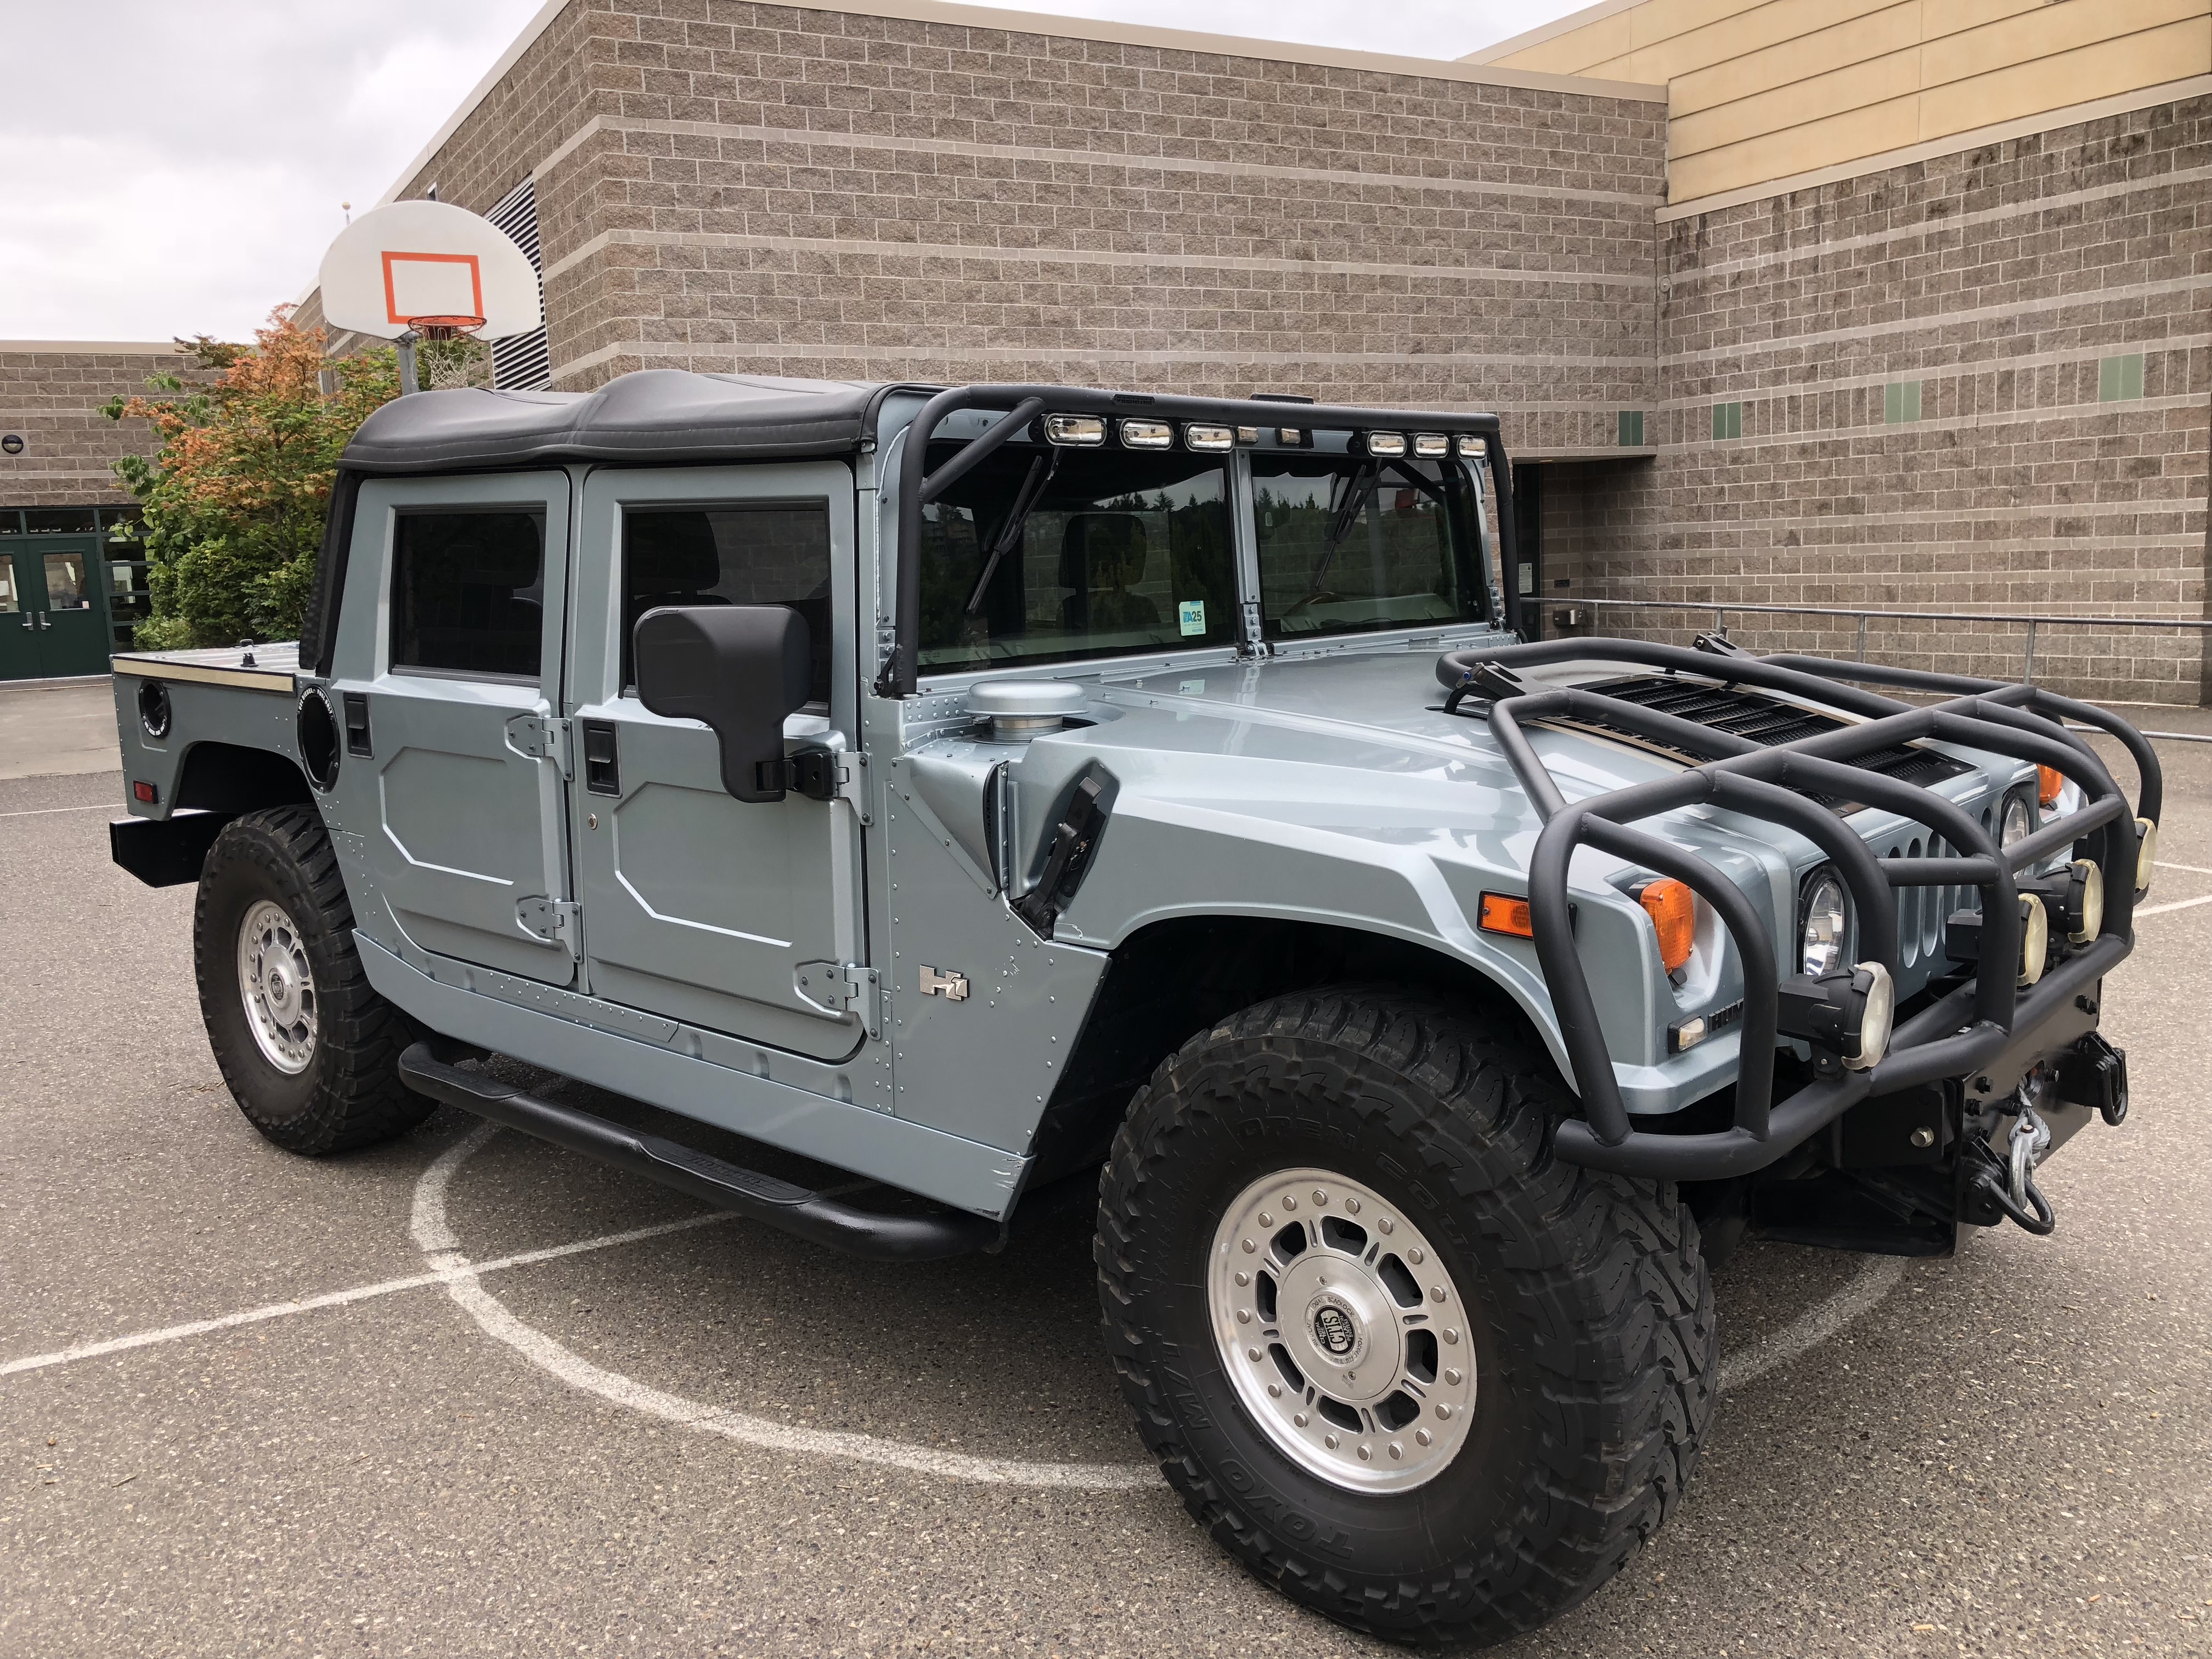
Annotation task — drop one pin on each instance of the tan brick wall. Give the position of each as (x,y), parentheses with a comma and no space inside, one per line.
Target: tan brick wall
(49,394)
(728,187)
(1997,279)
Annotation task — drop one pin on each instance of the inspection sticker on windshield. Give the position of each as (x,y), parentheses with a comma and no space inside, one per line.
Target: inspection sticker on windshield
(1191,613)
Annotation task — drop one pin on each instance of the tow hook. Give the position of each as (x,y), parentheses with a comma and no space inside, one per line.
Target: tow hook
(2010,1184)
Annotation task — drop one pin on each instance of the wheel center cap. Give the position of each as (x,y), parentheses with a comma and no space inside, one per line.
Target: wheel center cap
(1337,1324)
(1340,1335)
(279,982)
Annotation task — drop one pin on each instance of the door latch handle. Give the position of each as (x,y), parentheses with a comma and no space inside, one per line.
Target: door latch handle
(45,620)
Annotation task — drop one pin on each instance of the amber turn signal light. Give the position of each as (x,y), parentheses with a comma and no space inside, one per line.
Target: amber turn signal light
(1672,912)
(2048,782)
(1502,913)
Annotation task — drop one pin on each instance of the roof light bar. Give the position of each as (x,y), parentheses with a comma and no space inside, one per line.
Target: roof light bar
(1081,431)
(1198,436)
(1432,446)
(1147,434)
(1385,444)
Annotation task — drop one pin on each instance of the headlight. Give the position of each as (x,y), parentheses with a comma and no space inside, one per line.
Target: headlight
(2084,902)
(2146,852)
(1822,916)
(1848,1012)
(2016,821)
(2034,938)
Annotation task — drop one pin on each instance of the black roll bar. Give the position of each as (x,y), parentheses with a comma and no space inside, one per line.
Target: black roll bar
(1965,1031)
(917,487)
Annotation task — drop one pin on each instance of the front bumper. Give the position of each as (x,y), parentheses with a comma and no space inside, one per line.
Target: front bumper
(1981,1038)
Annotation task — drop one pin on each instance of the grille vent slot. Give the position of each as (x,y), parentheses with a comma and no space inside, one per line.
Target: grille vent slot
(1760,718)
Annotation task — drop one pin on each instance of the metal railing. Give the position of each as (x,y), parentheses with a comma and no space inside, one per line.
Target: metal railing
(2031,620)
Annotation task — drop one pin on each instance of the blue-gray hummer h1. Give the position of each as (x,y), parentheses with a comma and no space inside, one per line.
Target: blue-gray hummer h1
(1008,792)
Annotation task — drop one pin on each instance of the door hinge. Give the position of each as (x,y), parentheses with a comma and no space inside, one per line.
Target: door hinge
(543,737)
(553,920)
(841,988)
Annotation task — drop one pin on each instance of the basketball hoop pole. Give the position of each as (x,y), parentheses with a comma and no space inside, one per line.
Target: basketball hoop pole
(409,381)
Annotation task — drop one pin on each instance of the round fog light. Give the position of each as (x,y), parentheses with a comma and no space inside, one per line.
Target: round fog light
(2146,852)
(1876,1014)
(2034,938)
(2084,904)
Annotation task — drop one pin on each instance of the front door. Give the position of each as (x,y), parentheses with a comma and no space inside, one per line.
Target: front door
(720,912)
(51,622)
(451,768)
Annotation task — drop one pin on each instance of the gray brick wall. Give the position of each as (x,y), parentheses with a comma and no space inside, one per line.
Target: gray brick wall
(50,395)
(1997,281)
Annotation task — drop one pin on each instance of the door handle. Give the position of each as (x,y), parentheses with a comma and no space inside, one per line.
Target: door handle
(30,619)
(44,622)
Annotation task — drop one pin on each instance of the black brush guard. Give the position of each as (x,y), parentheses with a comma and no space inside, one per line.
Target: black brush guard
(1964,1030)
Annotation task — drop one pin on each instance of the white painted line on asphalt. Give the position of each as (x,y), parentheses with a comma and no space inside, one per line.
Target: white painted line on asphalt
(443,1275)
(1878,1275)
(42,812)
(459,1276)
(2193,869)
(434,1235)
(2178,904)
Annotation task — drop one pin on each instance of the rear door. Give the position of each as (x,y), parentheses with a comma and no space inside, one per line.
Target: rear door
(720,912)
(448,666)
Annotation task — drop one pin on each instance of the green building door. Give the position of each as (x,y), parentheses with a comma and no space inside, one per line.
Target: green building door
(53,620)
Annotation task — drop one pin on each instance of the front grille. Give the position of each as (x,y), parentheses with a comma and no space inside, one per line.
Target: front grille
(1760,718)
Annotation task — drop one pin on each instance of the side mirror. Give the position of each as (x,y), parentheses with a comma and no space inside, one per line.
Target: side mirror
(741,668)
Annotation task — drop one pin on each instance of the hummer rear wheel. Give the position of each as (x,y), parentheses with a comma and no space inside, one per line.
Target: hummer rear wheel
(1397,1359)
(309,1049)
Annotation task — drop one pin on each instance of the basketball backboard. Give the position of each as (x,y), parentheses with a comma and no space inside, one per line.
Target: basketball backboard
(428,265)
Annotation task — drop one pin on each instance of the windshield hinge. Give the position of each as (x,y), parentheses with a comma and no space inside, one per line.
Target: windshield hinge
(542,737)
(553,920)
(841,988)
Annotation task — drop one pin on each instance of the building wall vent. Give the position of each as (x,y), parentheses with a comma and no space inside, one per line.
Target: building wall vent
(521,363)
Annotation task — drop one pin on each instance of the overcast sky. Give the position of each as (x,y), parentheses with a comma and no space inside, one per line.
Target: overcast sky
(177,169)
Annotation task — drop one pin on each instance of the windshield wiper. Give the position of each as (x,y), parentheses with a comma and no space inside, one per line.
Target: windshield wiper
(1041,468)
(1358,486)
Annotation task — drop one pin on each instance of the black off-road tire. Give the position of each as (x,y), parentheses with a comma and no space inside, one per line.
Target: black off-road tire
(1590,1310)
(350,1094)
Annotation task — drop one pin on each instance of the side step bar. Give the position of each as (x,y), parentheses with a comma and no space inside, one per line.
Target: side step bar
(809,1215)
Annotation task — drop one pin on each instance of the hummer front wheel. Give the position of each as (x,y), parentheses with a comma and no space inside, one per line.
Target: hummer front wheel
(1397,1359)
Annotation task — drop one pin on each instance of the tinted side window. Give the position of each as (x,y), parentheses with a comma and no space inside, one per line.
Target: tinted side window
(737,555)
(1117,552)
(468,592)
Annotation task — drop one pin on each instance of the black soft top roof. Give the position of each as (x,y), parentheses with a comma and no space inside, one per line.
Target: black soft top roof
(653,415)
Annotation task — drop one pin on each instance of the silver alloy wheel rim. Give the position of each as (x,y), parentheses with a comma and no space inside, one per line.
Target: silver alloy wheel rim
(277,987)
(1344,1334)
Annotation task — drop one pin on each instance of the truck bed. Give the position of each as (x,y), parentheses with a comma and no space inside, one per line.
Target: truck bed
(255,668)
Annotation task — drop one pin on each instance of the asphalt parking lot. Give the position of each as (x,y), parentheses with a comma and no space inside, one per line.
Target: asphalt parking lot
(467,1393)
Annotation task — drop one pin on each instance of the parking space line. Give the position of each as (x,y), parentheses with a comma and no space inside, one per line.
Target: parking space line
(444,1275)
(2193,869)
(2178,904)
(42,812)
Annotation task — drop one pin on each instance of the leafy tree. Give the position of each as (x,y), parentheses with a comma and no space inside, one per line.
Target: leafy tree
(234,497)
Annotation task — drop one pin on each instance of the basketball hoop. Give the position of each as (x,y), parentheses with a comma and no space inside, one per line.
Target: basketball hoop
(429,270)
(444,328)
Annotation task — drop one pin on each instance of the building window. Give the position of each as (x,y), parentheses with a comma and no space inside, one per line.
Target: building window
(1900,402)
(1631,428)
(2119,379)
(1728,420)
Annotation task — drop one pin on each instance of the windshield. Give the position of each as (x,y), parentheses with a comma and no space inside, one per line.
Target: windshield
(1351,544)
(1050,554)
